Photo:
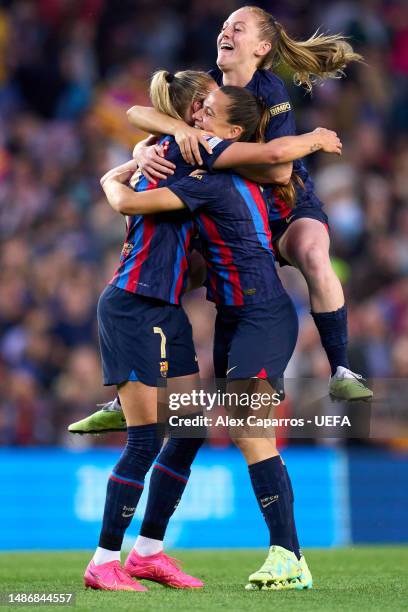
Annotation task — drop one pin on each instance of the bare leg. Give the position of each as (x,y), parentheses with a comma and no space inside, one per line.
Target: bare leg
(305,245)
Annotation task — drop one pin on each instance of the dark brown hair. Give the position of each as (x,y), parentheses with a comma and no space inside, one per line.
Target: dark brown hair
(247,111)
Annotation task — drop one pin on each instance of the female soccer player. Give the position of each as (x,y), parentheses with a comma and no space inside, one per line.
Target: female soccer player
(144,334)
(252,305)
(251,42)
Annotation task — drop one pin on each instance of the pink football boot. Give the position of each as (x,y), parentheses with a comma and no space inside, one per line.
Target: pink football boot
(110,577)
(160,568)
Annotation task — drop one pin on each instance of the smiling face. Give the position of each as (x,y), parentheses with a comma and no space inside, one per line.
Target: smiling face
(239,41)
(213,117)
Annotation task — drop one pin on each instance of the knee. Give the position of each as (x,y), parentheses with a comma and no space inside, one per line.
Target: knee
(256,449)
(144,440)
(180,451)
(314,261)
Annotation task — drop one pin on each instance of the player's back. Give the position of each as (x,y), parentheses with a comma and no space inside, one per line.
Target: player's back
(231,215)
(154,256)
(154,259)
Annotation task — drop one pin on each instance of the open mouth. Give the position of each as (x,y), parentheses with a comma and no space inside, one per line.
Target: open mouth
(225,46)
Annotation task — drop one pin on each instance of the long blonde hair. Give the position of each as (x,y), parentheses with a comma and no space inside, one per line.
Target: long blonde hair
(172,94)
(321,56)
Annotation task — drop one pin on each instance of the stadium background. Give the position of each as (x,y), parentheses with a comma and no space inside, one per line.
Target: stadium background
(68,72)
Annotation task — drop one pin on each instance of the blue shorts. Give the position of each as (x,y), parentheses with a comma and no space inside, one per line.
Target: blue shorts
(143,339)
(279,226)
(256,340)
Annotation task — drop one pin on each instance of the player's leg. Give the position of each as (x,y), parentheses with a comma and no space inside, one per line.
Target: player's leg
(168,480)
(285,566)
(260,349)
(270,484)
(131,356)
(170,472)
(125,487)
(305,244)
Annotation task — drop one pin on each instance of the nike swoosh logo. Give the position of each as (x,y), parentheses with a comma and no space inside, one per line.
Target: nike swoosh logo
(93,574)
(269,501)
(289,219)
(230,370)
(127,515)
(102,582)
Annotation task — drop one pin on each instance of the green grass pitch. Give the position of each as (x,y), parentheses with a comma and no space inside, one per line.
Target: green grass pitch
(361,578)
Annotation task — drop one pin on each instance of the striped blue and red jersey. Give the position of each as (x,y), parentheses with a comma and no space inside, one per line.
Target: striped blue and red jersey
(232,219)
(272,91)
(154,258)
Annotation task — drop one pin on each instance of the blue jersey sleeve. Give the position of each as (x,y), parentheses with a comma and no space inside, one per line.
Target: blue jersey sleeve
(217,146)
(197,191)
(274,94)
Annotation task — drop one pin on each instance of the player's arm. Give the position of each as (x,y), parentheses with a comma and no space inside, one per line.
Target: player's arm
(277,151)
(151,160)
(188,138)
(128,202)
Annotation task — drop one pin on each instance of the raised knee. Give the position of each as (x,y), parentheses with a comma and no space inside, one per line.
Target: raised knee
(314,262)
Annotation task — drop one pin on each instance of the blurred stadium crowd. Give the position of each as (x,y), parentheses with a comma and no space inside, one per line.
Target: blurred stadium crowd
(68,71)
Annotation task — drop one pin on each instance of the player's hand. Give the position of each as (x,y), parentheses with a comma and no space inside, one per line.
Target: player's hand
(189,139)
(121,173)
(328,140)
(152,163)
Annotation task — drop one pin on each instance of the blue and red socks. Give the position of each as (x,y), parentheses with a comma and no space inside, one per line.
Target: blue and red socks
(271,486)
(332,327)
(169,478)
(126,483)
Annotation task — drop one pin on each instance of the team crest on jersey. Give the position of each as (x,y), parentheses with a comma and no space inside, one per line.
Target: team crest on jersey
(164,368)
(284,107)
(127,249)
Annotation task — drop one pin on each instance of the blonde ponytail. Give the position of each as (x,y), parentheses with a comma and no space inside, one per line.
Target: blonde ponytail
(160,93)
(173,94)
(319,57)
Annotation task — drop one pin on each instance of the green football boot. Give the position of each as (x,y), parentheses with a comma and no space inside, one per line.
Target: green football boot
(305,580)
(346,385)
(109,418)
(279,570)
(302,582)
